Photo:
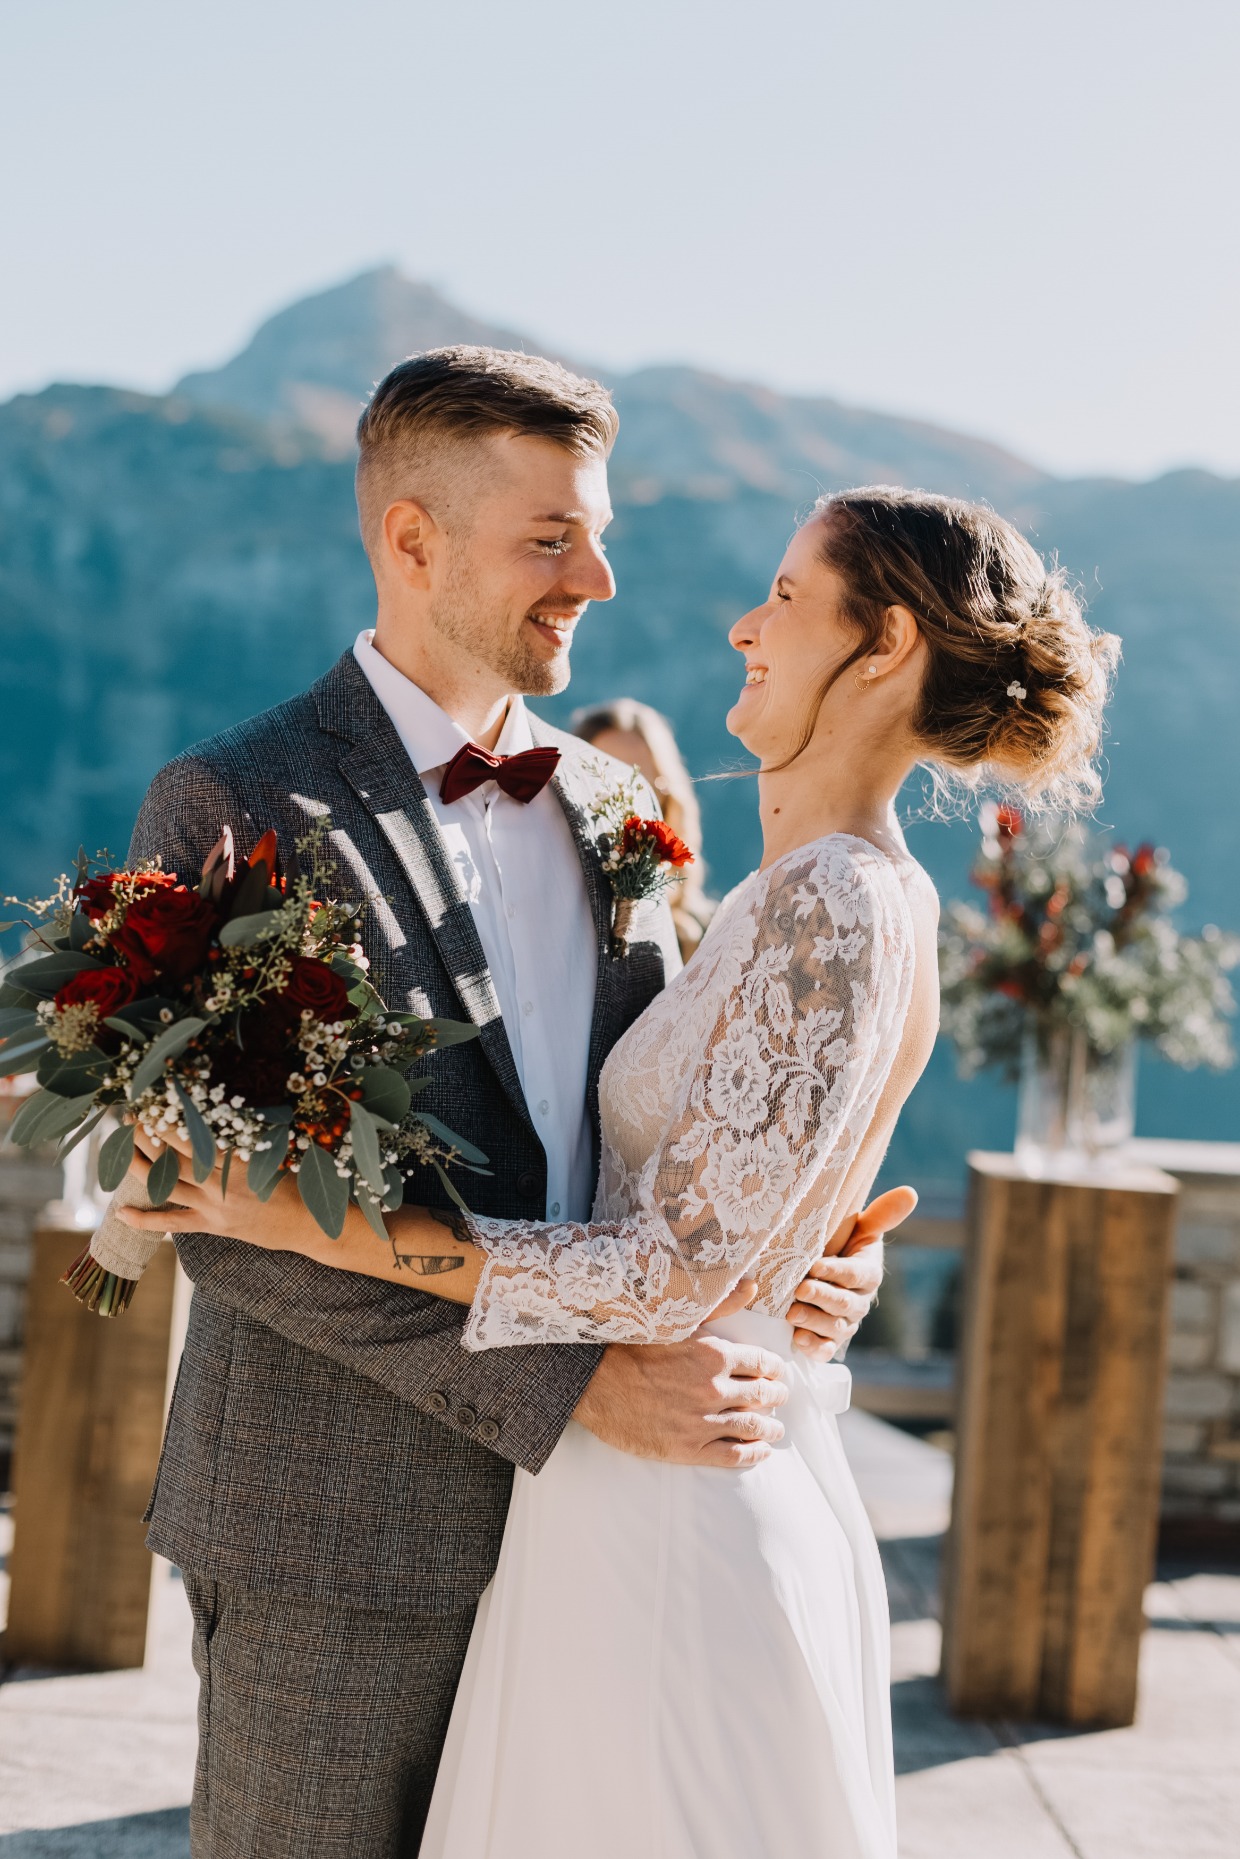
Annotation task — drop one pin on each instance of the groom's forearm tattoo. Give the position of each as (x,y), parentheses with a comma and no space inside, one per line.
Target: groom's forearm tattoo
(430,1264)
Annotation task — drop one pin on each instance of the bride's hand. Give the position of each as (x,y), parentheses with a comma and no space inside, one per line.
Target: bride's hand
(281,1224)
(839,1289)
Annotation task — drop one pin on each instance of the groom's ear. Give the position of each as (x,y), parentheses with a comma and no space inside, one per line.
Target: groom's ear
(411,542)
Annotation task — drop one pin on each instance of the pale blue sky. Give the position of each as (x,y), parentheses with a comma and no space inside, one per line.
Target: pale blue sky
(1019,220)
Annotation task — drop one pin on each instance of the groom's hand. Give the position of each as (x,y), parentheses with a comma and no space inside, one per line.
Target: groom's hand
(841,1286)
(702,1402)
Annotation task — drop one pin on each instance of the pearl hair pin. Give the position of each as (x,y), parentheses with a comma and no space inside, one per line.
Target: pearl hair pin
(1017,690)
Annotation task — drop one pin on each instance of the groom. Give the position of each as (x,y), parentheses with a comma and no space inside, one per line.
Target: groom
(336,1471)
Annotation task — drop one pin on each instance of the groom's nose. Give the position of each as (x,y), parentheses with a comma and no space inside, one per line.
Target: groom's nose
(588,575)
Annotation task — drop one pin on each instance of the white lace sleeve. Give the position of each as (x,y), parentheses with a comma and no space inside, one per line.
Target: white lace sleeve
(767,1117)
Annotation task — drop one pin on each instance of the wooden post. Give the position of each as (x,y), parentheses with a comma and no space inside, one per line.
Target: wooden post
(90,1420)
(1058,1441)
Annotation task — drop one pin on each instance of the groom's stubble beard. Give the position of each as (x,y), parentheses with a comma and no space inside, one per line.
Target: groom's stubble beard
(463,614)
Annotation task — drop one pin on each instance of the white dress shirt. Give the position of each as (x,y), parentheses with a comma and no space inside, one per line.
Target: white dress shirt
(518,866)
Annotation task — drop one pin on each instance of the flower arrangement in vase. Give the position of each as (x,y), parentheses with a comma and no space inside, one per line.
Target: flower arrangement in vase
(1074,959)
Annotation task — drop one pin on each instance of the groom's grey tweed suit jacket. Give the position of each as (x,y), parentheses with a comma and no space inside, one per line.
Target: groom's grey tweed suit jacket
(328,1436)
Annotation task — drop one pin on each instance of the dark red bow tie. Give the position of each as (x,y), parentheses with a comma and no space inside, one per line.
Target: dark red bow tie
(523,776)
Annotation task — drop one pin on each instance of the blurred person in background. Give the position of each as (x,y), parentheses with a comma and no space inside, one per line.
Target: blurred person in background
(634,732)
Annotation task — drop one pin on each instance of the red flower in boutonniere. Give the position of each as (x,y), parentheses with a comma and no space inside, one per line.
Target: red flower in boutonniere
(641,857)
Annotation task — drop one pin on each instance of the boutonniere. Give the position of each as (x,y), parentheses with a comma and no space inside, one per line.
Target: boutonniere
(641,857)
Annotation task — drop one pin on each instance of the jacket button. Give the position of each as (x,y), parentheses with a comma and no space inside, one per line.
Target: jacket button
(436,1403)
(488,1430)
(530,1182)
(465,1417)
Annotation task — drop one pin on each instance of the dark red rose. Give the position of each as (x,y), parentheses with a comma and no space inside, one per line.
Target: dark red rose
(314,986)
(166,932)
(105,988)
(98,895)
(669,848)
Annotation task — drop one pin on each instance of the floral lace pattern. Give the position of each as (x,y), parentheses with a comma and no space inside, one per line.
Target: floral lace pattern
(732,1112)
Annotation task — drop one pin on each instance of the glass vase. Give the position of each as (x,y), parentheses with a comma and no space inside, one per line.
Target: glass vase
(1076,1104)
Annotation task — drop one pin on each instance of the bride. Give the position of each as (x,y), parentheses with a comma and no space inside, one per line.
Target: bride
(676,1661)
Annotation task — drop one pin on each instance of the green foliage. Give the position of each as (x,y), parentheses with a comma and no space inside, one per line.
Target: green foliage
(1079,935)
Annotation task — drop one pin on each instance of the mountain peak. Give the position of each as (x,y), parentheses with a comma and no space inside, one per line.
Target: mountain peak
(313,364)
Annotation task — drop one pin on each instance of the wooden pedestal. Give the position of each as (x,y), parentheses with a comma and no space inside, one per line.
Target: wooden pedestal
(89,1426)
(1058,1441)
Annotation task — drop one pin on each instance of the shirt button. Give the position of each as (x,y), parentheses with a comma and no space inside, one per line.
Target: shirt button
(544,1107)
(555,1208)
(527,1007)
(512,910)
(436,1403)
(488,1430)
(465,1417)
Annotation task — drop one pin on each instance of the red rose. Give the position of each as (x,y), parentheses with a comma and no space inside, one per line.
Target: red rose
(314,986)
(669,848)
(104,988)
(98,895)
(166,932)
(1009,822)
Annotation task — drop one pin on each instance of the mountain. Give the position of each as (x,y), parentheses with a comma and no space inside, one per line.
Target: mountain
(685,432)
(313,365)
(171,563)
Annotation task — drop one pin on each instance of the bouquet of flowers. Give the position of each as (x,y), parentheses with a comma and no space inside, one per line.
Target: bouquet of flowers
(235,1016)
(1079,937)
(641,857)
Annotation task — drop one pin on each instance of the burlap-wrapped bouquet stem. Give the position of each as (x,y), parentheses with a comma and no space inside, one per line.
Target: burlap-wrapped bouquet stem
(103,1277)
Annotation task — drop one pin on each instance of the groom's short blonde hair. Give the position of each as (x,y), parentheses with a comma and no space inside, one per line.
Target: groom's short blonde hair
(422,415)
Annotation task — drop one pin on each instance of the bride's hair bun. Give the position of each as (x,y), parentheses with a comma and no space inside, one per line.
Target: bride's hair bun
(1016,680)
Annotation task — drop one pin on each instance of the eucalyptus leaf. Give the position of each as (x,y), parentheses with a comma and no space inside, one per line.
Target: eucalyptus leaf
(28,1116)
(240,932)
(453,1032)
(449,1188)
(13,996)
(225,1172)
(115,1157)
(82,1071)
(366,1146)
(164,1175)
(465,1150)
(264,1167)
(17,1020)
(384,1092)
(140,1016)
(373,1212)
(325,1193)
(26,1057)
(45,1117)
(46,975)
(393,1189)
(91,1123)
(200,1138)
(169,1045)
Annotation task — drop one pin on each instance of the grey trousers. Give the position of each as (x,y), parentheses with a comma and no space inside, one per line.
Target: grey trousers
(319,1728)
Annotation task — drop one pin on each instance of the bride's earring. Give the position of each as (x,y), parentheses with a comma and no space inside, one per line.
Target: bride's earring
(863,680)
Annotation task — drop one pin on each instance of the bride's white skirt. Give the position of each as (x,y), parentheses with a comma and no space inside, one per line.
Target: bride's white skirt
(679,1664)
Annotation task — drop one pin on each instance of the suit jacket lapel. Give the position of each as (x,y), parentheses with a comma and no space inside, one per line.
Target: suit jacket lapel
(374,763)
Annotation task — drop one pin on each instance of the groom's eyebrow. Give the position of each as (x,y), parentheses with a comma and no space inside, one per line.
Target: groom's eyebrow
(579,517)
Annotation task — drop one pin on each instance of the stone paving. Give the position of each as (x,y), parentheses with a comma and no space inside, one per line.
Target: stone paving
(98,1766)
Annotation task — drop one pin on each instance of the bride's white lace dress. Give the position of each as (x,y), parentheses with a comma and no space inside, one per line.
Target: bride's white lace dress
(676,1663)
